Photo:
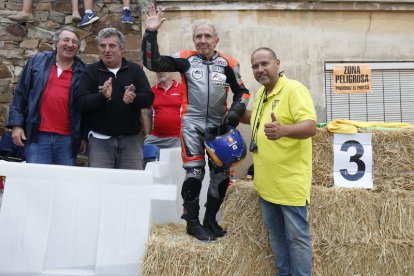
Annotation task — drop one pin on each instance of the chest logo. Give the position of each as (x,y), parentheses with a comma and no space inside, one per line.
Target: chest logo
(197,74)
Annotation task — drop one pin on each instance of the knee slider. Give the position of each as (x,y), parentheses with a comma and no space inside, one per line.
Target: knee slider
(191,189)
(192,183)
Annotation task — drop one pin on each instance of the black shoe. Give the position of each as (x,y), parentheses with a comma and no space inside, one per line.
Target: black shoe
(195,229)
(214,228)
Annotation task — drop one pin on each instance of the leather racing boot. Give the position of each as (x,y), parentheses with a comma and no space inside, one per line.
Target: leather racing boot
(194,228)
(210,222)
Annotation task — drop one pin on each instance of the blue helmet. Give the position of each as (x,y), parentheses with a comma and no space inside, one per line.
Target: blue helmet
(227,149)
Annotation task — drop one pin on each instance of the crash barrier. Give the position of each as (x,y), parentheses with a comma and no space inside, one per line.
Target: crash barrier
(60,220)
(76,216)
(354,231)
(169,170)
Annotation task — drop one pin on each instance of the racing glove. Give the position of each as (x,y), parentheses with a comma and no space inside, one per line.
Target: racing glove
(232,117)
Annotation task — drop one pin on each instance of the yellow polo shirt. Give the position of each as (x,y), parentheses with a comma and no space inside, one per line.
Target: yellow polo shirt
(283,168)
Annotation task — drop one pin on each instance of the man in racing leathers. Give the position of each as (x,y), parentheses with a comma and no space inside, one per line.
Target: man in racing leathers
(207,76)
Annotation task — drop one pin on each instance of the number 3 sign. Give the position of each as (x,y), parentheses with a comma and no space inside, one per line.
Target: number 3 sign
(353,160)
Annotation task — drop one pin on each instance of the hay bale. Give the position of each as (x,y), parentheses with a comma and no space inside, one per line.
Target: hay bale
(376,257)
(392,159)
(338,215)
(170,251)
(353,232)
(243,251)
(322,156)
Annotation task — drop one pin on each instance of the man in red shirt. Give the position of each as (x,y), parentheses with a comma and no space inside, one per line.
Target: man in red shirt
(42,115)
(162,123)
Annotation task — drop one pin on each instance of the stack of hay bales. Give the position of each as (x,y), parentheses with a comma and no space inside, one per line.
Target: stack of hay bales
(353,231)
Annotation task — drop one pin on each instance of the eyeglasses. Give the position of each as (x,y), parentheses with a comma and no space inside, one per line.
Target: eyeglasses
(68,40)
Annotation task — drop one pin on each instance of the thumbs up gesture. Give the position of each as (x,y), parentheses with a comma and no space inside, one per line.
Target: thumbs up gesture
(274,130)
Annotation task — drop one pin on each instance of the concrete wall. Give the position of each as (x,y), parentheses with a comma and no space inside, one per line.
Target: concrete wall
(303,34)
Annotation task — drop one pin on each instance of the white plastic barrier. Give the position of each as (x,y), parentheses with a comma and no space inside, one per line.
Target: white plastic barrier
(169,170)
(59,220)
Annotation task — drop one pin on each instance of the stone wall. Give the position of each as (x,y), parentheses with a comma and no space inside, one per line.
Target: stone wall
(19,41)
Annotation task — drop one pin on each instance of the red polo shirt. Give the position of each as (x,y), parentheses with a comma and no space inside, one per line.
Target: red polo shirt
(54,109)
(166,120)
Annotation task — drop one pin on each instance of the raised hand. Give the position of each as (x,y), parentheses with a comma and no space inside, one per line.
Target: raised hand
(153,18)
(274,130)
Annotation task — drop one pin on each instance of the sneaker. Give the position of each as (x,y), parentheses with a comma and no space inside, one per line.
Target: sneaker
(88,18)
(22,18)
(126,17)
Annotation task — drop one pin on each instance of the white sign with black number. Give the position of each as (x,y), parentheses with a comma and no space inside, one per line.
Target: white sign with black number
(353,160)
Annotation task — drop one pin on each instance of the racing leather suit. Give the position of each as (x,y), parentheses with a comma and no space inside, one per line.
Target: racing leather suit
(206,85)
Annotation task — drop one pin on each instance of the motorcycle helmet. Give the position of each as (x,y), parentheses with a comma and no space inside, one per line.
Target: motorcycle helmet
(227,149)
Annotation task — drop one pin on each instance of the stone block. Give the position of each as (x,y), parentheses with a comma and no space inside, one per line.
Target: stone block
(63,6)
(9,45)
(91,46)
(4,82)
(5,72)
(89,58)
(83,33)
(12,32)
(42,16)
(42,6)
(30,44)
(45,47)
(34,32)
(17,71)
(29,53)
(15,53)
(57,17)
(50,25)
(6,98)
(134,56)
(133,42)
(115,8)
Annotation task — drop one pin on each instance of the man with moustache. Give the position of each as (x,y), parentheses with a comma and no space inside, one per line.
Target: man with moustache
(283,121)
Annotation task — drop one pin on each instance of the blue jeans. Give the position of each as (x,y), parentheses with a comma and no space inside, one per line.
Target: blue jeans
(50,148)
(288,230)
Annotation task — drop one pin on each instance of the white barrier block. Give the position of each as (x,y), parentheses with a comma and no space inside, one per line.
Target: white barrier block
(169,170)
(60,220)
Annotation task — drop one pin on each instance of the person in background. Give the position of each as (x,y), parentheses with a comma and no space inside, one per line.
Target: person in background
(26,14)
(208,76)
(162,123)
(90,16)
(42,115)
(126,16)
(283,121)
(111,94)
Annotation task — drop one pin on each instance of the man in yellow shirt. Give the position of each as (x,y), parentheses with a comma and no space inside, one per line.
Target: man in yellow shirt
(283,120)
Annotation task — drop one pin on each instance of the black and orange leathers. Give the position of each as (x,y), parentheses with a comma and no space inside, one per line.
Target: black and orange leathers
(206,83)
